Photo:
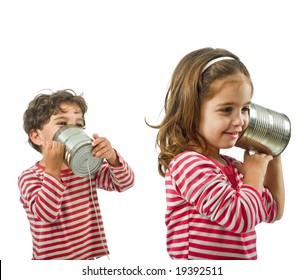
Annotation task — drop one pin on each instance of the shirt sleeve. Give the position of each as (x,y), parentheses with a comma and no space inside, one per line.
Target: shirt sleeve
(204,186)
(270,206)
(115,178)
(42,197)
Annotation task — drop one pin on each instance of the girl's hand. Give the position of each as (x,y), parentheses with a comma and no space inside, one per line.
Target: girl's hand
(103,149)
(254,169)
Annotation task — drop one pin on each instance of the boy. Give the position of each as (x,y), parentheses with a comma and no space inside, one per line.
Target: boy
(62,208)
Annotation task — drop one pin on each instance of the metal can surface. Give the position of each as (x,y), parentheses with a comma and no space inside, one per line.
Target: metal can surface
(78,150)
(268,131)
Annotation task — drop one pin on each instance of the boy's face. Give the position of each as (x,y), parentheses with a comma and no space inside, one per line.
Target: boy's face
(70,115)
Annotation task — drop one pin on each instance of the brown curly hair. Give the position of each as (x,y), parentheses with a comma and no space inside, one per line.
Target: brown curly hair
(190,86)
(43,106)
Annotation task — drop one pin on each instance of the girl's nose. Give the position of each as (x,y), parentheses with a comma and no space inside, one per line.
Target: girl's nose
(239,119)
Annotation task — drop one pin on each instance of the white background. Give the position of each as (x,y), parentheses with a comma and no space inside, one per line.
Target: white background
(121,54)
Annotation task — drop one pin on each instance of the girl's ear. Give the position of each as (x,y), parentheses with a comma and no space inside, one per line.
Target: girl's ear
(36,137)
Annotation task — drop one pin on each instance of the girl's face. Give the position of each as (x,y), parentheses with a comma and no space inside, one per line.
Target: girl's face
(224,116)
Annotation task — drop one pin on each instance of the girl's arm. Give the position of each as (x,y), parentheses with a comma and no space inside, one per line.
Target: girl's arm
(274,181)
(198,181)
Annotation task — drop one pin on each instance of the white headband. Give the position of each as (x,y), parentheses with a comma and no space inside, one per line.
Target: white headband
(216,60)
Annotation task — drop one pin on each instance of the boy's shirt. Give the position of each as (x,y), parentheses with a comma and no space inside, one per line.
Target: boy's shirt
(62,214)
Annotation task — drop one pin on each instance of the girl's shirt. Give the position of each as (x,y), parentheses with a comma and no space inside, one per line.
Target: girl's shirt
(64,216)
(211,214)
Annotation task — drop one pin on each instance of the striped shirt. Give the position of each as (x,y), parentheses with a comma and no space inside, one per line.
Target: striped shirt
(62,216)
(210,213)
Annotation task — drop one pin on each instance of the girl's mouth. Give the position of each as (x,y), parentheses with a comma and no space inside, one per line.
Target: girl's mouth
(234,134)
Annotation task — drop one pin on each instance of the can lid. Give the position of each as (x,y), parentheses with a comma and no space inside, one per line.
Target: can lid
(83,163)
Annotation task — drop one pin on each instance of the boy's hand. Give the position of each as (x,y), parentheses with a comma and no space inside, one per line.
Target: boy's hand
(103,149)
(53,157)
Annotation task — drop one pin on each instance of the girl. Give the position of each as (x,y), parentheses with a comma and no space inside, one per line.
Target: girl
(213,201)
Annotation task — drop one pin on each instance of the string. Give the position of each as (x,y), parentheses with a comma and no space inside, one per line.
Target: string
(96,213)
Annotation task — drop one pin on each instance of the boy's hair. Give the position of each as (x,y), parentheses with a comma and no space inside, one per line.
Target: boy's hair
(43,106)
(190,86)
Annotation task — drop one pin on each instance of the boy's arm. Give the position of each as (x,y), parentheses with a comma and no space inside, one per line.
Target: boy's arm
(115,178)
(42,197)
(115,173)
(274,182)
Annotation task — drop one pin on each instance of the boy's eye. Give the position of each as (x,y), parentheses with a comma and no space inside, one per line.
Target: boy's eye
(65,123)
(62,123)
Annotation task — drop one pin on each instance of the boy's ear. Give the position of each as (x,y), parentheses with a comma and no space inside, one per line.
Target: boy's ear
(35,136)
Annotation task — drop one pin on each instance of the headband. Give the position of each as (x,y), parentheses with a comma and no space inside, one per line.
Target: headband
(216,60)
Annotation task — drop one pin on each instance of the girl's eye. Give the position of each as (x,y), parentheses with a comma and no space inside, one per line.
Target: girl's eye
(80,125)
(246,110)
(226,110)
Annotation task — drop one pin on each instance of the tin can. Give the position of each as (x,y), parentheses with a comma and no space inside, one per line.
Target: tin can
(78,150)
(268,131)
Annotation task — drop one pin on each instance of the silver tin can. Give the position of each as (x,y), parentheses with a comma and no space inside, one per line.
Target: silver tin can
(78,150)
(268,131)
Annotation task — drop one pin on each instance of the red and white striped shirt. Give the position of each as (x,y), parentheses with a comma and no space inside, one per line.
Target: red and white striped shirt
(211,214)
(61,214)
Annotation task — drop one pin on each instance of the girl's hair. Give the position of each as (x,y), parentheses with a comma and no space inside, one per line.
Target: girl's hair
(43,106)
(190,86)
